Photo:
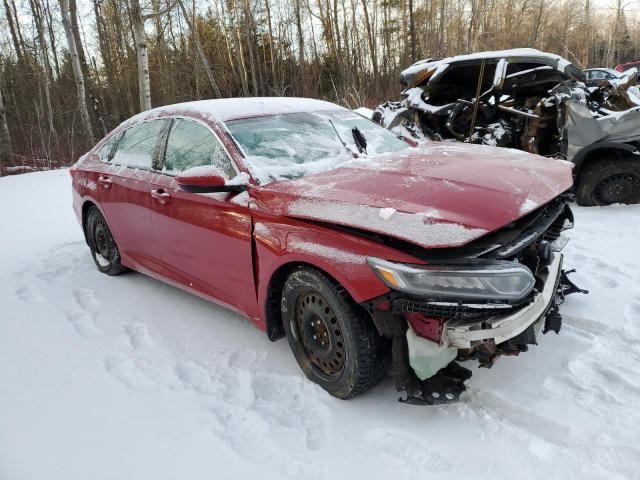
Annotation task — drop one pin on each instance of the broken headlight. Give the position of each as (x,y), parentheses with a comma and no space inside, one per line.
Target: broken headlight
(496,280)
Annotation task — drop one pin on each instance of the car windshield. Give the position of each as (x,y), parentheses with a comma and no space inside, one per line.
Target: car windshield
(296,144)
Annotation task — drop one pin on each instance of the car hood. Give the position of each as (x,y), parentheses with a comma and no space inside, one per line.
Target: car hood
(441,195)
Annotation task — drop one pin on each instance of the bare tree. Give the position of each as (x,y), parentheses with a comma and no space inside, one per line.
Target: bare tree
(77,70)
(201,55)
(6,152)
(13,28)
(142,51)
(36,10)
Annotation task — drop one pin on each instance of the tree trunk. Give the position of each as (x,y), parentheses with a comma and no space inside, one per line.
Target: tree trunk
(6,153)
(298,20)
(372,43)
(46,68)
(77,70)
(12,29)
(52,37)
(272,59)
(412,32)
(144,84)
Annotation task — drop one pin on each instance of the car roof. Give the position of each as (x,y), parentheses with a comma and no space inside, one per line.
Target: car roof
(226,109)
(416,73)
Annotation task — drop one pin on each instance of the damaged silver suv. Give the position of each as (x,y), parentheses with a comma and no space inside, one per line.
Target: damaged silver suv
(530,100)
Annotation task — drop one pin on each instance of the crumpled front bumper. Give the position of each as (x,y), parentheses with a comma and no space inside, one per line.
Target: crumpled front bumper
(425,362)
(505,327)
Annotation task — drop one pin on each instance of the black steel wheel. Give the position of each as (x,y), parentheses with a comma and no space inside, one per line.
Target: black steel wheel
(320,334)
(333,340)
(609,180)
(616,188)
(103,247)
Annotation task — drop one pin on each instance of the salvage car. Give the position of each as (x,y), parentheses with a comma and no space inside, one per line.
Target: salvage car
(319,225)
(594,77)
(533,101)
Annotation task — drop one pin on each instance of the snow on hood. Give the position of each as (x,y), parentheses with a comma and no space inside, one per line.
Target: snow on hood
(440,195)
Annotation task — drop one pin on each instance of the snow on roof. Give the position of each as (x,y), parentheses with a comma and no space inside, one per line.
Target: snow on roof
(514,52)
(225,109)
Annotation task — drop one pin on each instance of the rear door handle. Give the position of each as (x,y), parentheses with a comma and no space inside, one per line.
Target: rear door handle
(105,181)
(160,195)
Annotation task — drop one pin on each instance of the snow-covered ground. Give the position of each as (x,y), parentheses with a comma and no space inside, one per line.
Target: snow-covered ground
(127,378)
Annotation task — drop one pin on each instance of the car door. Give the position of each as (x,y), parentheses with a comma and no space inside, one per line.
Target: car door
(204,239)
(125,193)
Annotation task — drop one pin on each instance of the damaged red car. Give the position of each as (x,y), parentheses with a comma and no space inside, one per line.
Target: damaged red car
(325,228)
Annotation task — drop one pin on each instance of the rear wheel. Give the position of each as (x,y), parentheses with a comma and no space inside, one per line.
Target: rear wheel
(334,342)
(613,180)
(103,247)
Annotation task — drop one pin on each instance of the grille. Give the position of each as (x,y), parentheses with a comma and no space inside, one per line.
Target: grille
(458,311)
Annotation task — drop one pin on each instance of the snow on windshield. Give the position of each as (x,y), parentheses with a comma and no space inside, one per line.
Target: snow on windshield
(293,145)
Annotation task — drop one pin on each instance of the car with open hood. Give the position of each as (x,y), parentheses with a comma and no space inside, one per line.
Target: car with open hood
(325,228)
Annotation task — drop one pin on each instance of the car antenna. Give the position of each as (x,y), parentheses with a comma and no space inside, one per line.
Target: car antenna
(339,137)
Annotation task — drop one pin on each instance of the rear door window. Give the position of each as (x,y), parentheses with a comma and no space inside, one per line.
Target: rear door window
(138,145)
(192,144)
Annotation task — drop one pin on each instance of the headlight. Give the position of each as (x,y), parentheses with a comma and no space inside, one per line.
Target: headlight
(499,280)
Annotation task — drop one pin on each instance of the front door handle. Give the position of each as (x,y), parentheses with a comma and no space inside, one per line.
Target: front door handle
(160,195)
(105,181)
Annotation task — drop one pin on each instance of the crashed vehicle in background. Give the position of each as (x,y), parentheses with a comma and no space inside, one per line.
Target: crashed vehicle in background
(594,77)
(319,225)
(623,67)
(533,101)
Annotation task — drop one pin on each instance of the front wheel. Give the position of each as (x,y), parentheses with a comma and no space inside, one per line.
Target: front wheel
(613,180)
(103,247)
(334,342)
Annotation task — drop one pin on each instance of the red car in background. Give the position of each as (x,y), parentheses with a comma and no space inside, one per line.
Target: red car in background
(623,67)
(319,225)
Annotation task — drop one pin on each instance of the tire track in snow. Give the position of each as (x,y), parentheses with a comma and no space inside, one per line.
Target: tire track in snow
(585,448)
(407,455)
(83,314)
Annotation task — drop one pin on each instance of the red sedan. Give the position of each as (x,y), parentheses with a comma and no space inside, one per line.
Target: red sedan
(323,227)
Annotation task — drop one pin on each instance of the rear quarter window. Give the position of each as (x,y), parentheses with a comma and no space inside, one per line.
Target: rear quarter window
(105,154)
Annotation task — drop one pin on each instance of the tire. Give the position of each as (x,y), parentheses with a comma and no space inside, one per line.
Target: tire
(103,247)
(346,356)
(610,180)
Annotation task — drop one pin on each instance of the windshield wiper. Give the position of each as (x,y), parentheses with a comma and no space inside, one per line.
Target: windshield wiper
(360,139)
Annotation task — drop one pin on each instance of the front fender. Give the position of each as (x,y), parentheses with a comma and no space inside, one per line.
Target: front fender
(281,241)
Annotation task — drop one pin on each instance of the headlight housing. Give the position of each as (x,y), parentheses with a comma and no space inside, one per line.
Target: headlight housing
(476,280)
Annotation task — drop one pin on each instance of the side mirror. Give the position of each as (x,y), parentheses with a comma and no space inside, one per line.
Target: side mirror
(207,179)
